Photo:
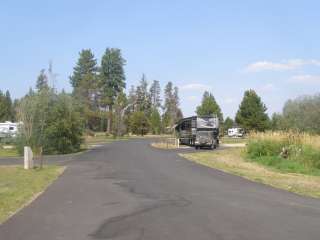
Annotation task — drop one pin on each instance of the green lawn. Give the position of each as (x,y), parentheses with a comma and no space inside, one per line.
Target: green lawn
(8,152)
(233,160)
(90,140)
(18,186)
(233,140)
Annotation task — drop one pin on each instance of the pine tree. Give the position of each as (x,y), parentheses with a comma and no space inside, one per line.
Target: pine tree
(155,121)
(132,99)
(155,92)
(6,109)
(85,86)
(42,81)
(85,69)
(10,111)
(252,113)
(172,111)
(112,78)
(228,123)
(209,107)
(119,106)
(139,123)
(143,101)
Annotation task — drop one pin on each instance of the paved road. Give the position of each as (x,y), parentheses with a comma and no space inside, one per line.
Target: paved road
(127,190)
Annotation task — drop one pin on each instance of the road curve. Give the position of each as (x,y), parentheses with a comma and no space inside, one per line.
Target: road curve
(128,190)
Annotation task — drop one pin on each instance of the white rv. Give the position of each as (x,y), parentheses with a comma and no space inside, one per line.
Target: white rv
(8,129)
(235,132)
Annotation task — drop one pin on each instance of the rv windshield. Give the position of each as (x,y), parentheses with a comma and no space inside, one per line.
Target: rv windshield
(204,133)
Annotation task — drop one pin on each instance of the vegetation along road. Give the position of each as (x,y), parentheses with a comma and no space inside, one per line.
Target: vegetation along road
(128,190)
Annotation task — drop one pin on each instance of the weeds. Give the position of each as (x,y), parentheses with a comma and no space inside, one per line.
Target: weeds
(286,151)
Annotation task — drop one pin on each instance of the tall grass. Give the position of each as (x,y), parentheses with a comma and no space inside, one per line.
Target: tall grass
(286,151)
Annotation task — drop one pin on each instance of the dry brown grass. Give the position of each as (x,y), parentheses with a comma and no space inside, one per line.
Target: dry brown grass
(291,137)
(163,145)
(232,161)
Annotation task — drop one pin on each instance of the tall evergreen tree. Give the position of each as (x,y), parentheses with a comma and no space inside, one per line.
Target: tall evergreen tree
(112,78)
(10,111)
(209,106)
(155,92)
(85,69)
(85,86)
(252,113)
(42,81)
(143,101)
(172,111)
(6,109)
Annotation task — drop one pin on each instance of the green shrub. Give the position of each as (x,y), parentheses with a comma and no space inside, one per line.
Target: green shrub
(299,158)
(258,148)
(57,126)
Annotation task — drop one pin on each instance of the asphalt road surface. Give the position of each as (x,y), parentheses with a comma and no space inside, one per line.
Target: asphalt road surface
(128,190)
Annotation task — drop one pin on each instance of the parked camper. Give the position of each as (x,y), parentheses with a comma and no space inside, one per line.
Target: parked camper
(8,129)
(235,132)
(198,131)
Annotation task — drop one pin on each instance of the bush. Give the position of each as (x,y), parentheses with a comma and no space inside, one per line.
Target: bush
(64,130)
(56,125)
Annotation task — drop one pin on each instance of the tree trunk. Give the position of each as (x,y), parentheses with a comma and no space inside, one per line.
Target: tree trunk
(109,120)
(41,157)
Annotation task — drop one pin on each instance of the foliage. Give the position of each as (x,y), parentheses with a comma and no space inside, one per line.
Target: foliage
(139,123)
(172,111)
(6,107)
(112,76)
(289,152)
(155,121)
(143,100)
(119,107)
(112,79)
(209,107)
(155,92)
(252,113)
(50,122)
(85,88)
(228,123)
(85,69)
(302,114)
(63,130)
(42,81)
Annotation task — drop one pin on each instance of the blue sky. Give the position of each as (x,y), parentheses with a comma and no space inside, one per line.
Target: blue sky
(225,47)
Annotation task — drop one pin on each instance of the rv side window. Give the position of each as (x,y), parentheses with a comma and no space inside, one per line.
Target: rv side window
(11,128)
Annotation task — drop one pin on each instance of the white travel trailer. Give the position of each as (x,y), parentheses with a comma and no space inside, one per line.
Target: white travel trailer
(8,129)
(235,132)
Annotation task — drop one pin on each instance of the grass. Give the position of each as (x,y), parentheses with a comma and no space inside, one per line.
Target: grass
(8,152)
(103,139)
(228,140)
(163,145)
(287,152)
(233,160)
(18,187)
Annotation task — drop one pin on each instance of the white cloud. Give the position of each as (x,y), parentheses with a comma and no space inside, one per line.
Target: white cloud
(195,86)
(306,79)
(284,65)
